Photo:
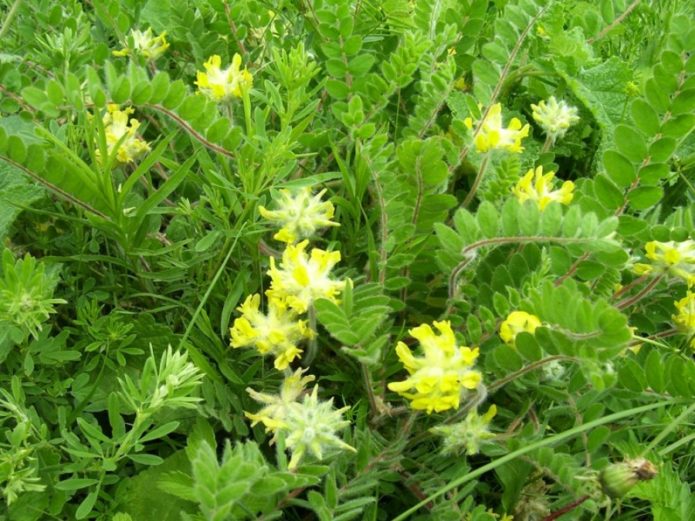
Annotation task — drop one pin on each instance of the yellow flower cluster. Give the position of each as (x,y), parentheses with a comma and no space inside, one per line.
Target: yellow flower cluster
(223,84)
(278,332)
(303,278)
(300,279)
(308,426)
(518,322)
(122,133)
(438,378)
(676,258)
(146,44)
(686,315)
(300,214)
(537,186)
(493,135)
(554,117)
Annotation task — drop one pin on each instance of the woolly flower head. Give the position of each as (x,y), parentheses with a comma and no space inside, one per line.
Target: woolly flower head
(537,186)
(272,416)
(686,315)
(554,117)
(517,322)
(303,278)
(278,332)
(438,378)
(223,84)
(493,135)
(121,132)
(308,426)
(676,258)
(465,436)
(300,214)
(146,44)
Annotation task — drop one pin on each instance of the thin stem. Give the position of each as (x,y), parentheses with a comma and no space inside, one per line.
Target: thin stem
(669,428)
(615,22)
(247,114)
(313,342)
(634,412)
(368,385)
(636,298)
(9,18)
(549,141)
(476,183)
(566,508)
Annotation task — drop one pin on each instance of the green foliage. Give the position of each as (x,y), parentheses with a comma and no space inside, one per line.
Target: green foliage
(127,247)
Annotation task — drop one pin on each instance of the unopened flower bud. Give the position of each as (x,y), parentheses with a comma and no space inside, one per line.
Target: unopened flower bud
(618,478)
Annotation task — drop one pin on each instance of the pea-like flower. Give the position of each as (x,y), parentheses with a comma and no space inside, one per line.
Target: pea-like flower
(223,84)
(145,44)
(308,426)
(121,132)
(676,258)
(517,322)
(686,315)
(554,117)
(302,279)
(464,437)
(537,186)
(300,214)
(278,332)
(438,378)
(493,135)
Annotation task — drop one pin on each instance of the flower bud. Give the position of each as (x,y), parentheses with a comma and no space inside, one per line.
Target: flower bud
(618,478)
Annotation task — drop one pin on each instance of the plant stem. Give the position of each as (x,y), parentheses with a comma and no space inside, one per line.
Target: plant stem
(566,508)
(476,183)
(669,428)
(636,298)
(9,18)
(313,343)
(636,411)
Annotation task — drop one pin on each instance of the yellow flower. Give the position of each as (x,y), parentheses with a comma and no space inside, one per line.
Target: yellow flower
(515,323)
(678,258)
(536,186)
(300,214)
(122,133)
(151,47)
(686,315)
(465,436)
(303,278)
(438,378)
(554,118)
(278,332)
(492,135)
(223,84)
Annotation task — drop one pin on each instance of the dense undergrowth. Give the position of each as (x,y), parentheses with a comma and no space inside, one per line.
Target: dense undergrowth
(333,260)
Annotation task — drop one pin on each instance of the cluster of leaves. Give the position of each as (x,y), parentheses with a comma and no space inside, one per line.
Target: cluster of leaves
(119,396)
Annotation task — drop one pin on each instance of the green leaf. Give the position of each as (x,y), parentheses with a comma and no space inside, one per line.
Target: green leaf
(160,432)
(654,370)
(607,193)
(619,168)
(146,459)
(630,143)
(645,117)
(75,483)
(87,505)
(644,197)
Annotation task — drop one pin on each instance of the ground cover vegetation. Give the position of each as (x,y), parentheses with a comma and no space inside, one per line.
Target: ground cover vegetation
(331,259)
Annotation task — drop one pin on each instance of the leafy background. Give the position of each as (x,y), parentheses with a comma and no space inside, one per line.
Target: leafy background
(368,100)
